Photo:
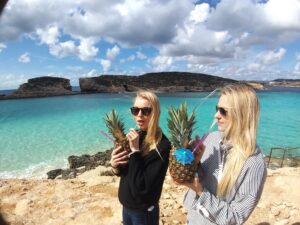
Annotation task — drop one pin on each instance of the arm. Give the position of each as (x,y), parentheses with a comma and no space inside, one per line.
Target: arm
(247,193)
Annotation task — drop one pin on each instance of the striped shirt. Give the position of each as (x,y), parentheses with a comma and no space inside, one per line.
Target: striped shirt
(238,204)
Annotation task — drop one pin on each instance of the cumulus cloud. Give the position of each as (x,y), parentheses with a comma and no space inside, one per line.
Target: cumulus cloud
(106,64)
(112,52)
(2,46)
(297,68)
(50,35)
(87,50)
(161,63)
(200,13)
(199,35)
(24,58)
(140,55)
(271,57)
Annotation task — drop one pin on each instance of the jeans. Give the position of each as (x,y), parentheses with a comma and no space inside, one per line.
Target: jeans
(141,217)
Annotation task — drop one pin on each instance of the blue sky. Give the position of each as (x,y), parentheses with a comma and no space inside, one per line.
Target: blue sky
(243,40)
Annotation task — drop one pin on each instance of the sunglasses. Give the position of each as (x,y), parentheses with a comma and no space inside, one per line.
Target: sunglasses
(222,111)
(145,111)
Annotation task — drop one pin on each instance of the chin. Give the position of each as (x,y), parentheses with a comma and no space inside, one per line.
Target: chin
(221,129)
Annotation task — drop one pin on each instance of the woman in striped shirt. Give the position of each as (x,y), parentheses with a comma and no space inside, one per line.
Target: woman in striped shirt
(232,171)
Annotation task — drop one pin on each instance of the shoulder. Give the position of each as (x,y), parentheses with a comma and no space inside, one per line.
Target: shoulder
(256,160)
(213,138)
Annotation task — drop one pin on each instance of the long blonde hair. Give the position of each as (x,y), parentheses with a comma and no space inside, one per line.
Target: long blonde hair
(243,114)
(154,133)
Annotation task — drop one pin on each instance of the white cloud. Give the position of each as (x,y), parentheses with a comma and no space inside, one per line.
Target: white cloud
(140,55)
(63,49)
(255,67)
(24,58)
(49,36)
(271,57)
(298,56)
(205,38)
(131,58)
(12,81)
(91,73)
(113,52)
(200,13)
(106,64)
(161,63)
(297,68)
(87,50)
(2,46)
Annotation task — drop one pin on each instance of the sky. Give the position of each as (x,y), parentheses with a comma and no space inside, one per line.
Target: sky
(238,39)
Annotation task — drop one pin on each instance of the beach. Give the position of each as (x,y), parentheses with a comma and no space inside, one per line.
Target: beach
(91,198)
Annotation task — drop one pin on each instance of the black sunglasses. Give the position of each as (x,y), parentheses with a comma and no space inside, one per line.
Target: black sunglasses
(222,111)
(136,110)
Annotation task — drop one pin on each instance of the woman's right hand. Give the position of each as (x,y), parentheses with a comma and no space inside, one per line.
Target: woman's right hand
(118,157)
(197,143)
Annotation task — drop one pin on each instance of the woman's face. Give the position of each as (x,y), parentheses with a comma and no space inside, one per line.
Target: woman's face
(222,114)
(143,113)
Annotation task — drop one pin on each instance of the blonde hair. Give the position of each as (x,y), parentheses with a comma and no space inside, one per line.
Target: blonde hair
(154,133)
(243,114)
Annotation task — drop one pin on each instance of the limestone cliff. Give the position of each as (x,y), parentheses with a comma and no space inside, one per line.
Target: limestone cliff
(161,82)
(43,87)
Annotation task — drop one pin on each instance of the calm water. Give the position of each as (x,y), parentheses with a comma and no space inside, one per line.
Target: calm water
(37,135)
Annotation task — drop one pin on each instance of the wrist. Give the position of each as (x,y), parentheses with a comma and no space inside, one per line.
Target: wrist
(113,166)
(115,170)
(135,149)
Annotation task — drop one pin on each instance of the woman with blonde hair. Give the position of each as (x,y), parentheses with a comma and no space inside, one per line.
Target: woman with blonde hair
(232,170)
(143,170)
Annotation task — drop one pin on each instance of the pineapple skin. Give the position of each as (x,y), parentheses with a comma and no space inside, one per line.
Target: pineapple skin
(182,173)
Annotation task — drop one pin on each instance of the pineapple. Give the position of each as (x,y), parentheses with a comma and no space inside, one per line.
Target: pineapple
(182,164)
(116,128)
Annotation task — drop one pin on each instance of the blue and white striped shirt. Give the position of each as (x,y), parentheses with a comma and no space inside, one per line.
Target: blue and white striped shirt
(242,199)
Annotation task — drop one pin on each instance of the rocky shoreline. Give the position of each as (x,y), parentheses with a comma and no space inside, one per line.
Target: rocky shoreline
(161,82)
(86,193)
(91,199)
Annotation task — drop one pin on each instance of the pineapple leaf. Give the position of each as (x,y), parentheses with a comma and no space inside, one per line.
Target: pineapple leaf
(181,125)
(115,125)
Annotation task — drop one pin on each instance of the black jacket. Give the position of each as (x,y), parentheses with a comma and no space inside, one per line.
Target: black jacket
(142,178)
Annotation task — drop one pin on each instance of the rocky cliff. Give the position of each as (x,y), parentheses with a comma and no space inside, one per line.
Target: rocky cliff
(160,82)
(43,87)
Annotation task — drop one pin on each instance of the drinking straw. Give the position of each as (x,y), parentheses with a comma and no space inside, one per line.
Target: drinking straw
(107,136)
(200,142)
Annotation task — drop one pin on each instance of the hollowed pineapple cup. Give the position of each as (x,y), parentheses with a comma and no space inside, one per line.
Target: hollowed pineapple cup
(182,165)
(124,143)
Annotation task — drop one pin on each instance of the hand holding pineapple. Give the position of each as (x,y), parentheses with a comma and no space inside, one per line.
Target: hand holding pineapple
(198,148)
(118,157)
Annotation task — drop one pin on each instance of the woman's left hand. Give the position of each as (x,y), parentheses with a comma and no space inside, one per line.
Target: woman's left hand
(133,137)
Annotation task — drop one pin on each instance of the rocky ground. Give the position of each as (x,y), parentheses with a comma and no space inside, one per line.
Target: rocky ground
(91,199)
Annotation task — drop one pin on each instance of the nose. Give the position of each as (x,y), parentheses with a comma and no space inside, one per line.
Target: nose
(140,113)
(218,115)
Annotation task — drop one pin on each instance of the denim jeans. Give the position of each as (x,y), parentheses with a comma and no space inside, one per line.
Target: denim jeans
(141,217)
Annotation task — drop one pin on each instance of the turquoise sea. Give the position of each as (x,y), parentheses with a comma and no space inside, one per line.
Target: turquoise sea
(37,135)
